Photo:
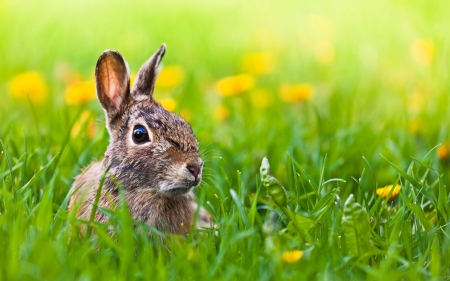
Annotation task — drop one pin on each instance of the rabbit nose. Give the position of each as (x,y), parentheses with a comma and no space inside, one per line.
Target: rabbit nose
(194,169)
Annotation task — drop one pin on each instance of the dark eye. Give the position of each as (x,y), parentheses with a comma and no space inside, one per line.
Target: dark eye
(140,134)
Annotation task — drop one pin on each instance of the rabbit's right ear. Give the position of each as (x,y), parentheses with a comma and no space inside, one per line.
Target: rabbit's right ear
(112,80)
(144,84)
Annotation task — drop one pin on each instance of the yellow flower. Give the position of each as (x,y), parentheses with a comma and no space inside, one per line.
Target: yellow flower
(384,191)
(414,126)
(292,256)
(132,79)
(443,152)
(324,52)
(80,92)
(416,102)
(186,114)
(170,76)
(260,98)
(423,51)
(234,85)
(169,104)
(258,63)
(296,93)
(221,112)
(29,84)
(85,117)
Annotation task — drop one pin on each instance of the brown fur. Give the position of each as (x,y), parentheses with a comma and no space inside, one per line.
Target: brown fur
(157,176)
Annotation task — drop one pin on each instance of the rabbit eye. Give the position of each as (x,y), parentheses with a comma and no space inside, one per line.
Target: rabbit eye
(140,134)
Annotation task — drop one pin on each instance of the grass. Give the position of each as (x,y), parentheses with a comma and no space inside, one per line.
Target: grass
(378,116)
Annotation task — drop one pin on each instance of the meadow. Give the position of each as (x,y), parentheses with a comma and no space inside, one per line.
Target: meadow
(345,102)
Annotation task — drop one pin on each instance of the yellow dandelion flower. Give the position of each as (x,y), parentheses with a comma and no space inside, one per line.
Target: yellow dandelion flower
(169,104)
(170,77)
(258,63)
(261,98)
(186,114)
(85,117)
(221,112)
(296,93)
(443,152)
(292,256)
(384,191)
(234,85)
(416,102)
(29,84)
(80,93)
(324,52)
(423,51)
(132,79)
(414,126)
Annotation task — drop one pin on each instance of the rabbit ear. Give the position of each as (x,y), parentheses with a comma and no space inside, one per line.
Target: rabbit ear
(146,78)
(112,80)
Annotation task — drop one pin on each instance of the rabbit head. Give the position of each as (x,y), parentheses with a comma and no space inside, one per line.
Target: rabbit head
(150,148)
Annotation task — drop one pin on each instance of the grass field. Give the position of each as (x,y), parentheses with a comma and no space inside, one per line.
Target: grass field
(343,97)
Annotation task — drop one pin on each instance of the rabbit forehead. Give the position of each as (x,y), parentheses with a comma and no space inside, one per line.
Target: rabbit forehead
(166,125)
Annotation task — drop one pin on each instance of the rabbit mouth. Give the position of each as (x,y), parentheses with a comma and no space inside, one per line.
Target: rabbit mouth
(174,189)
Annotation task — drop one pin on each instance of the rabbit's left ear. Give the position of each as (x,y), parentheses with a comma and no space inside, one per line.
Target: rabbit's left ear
(144,84)
(112,80)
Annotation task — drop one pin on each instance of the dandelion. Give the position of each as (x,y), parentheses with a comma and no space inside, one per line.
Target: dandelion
(258,63)
(324,52)
(80,93)
(384,191)
(414,126)
(132,79)
(29,85)
(260,98)
(221,112)
(186,114)
(292,256)
(170,77)
(296,93)
(416,103)
(234,85)
(168,103)
(443,152)
(423,51)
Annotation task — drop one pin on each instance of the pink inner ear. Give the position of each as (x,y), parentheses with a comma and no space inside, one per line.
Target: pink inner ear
(114,82)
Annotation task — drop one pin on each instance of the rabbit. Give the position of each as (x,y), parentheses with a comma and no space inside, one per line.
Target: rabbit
(152,153)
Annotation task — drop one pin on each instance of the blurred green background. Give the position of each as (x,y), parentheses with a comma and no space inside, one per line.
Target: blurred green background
(377,73)
(320,83)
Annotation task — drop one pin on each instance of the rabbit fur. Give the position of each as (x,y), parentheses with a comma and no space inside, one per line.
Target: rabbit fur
(158,175)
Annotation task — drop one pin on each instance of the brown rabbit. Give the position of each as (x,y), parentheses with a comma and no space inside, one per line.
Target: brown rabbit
(152,153)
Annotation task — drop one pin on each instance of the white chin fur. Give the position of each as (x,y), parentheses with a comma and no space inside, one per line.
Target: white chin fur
(175,188)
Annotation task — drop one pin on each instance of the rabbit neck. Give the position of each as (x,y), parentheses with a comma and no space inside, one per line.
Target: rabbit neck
(173,214)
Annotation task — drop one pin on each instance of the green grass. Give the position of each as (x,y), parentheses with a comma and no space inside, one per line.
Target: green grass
(352,137)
